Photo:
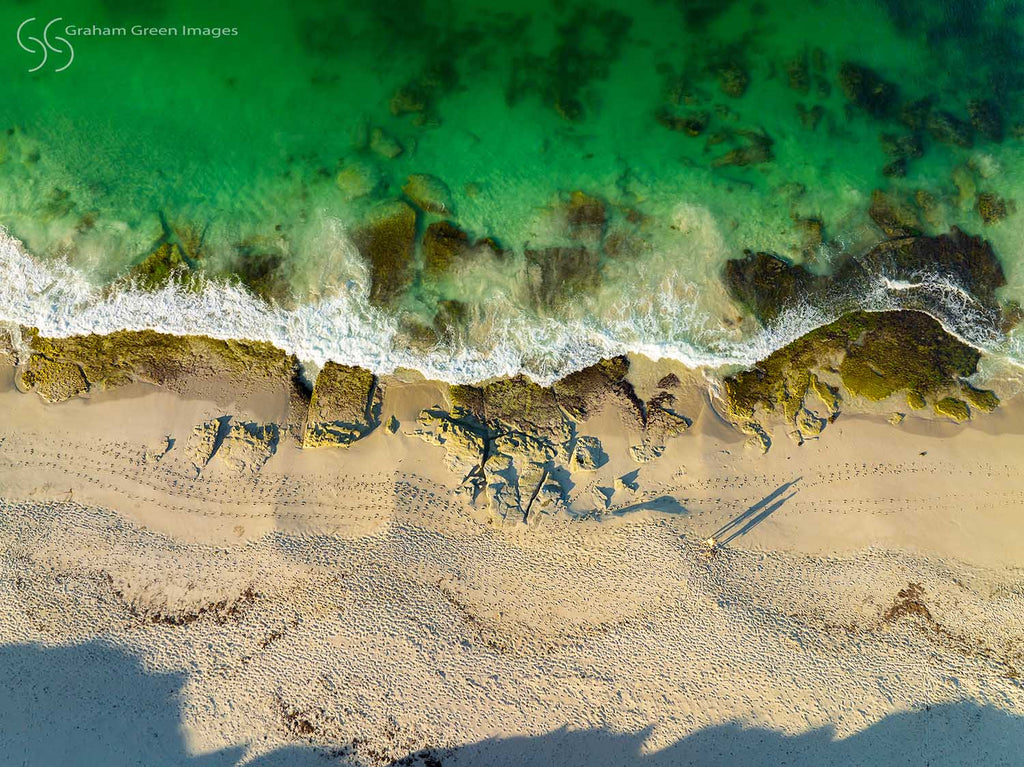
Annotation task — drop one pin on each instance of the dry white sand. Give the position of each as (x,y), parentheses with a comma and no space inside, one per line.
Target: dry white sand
(339,606)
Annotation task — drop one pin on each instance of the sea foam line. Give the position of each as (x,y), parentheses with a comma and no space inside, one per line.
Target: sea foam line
(59,301)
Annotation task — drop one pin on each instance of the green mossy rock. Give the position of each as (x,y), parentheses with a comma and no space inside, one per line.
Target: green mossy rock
(878,354)
(953,408)
(116,359)
(387,244)
(980,399)
(344,406)
(163,266)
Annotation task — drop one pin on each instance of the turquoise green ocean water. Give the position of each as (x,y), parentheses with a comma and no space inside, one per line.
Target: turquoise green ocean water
(598,163)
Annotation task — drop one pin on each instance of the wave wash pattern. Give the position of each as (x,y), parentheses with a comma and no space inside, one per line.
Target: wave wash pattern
(477,189)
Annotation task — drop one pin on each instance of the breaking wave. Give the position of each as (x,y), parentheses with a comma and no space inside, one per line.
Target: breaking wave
(59,301)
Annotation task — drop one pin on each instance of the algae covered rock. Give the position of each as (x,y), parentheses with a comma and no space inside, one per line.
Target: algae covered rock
(116,359)
(344,406)
(876,355)
(387,243)
(953,408)
(429,193)
(165,265)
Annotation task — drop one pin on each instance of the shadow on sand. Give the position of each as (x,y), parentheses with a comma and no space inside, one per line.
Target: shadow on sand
(945,735)
(93,705)
(755,515)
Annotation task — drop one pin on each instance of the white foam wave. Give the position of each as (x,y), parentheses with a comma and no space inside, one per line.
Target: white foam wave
(344,327)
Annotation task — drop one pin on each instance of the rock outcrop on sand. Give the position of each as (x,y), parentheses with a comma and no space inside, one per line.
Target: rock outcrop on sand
(344,407)
(515,443)
(870,356)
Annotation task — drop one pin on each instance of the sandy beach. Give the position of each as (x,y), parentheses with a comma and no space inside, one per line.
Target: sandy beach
(347,605)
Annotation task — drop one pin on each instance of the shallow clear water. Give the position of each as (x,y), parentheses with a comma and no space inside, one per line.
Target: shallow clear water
(237,143)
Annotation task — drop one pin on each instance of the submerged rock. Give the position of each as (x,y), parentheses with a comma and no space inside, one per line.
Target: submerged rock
(556,274)
(867,89)
(986,118)
(692,124)
(344,406)
(949,129)
(586,216)
(894,217)
(429,193)
(757,150)
(443,246)
(991,207)
(733,78)
(387,244)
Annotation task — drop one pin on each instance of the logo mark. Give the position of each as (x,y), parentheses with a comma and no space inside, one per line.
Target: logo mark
(44,46)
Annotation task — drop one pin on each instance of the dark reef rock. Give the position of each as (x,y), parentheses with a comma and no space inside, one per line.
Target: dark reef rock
(894,217)
(946,128)
(766,285)
(733,78)
(262,268)
(692,124)
(387,244)
(902,146)
(914,114)
(968,261)
(867,89)
(443,245)
(991,207)
(986,119)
